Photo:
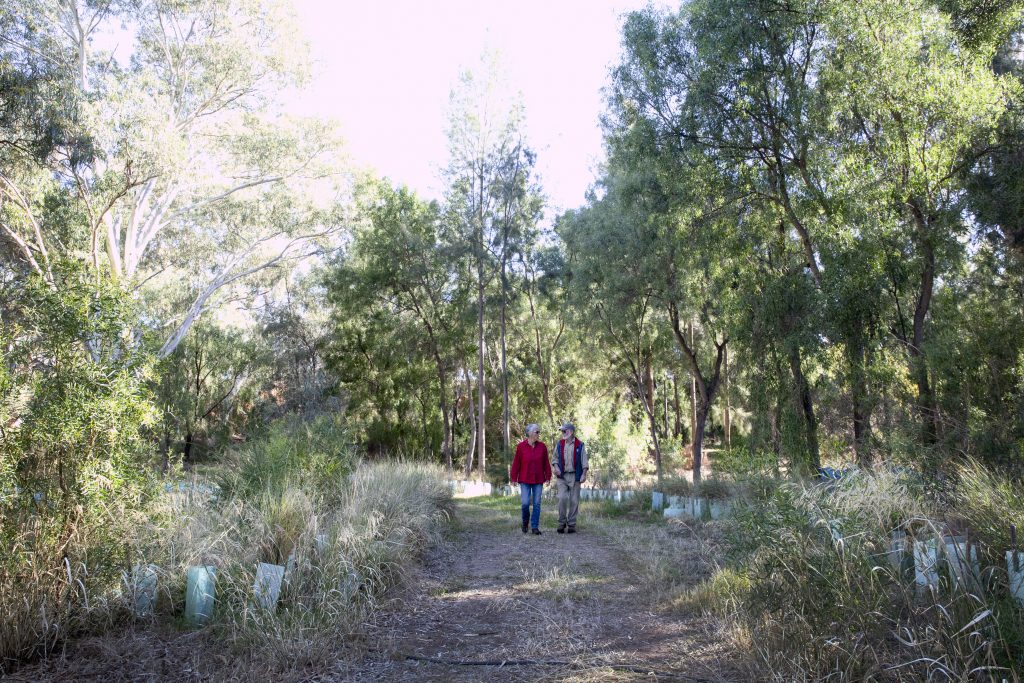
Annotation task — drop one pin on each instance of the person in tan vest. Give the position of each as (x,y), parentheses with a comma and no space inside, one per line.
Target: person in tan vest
(570,469)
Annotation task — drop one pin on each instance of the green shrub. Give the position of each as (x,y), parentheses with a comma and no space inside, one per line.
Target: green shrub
(676,486)
(313,456)
(74,402)
(740,460)
(714,488)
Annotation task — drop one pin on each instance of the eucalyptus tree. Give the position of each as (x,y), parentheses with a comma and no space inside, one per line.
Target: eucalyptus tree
(204,385)
(295,325)
(700,266)
(519,205)
(983,24)
(911,103)
(544,289)
(698,287)
(852,134)
(399,263)
(491,190)
(389,381)
(995,181)
(719,81)
(614,294)
(188,174)
(779,324)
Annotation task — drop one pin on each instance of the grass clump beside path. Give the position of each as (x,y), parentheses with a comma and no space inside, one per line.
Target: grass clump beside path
(812,589)
(299,497)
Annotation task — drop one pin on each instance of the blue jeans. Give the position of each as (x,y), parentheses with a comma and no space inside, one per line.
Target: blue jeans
(528,493)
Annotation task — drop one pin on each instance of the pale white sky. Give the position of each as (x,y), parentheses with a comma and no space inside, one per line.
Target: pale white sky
(384,70)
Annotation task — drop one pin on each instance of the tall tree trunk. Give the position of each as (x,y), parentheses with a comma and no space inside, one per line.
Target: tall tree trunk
(649,388)
(165,449)
(446,440)
(677,427)
(506,435)
(186,451)
(706,387)
(481,422)
(698,438)
(543,367)
(547,400)
(727,421)
(861,407)
(425,420)
(657,444)
(642,379)
(471,450)
(452,425)
(926,404)
(664,413)
(693,398)
(802,395)
(776,429)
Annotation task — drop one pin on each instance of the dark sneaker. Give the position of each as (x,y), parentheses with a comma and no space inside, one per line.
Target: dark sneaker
(560,529)
(535,532)
(572,530)
(526,527)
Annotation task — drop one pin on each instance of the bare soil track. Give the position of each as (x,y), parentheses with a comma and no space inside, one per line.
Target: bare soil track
(495,604)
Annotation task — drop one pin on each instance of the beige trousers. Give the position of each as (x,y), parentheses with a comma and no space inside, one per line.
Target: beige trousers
(568,499)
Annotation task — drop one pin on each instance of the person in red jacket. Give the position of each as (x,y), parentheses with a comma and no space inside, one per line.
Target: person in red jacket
(531,469)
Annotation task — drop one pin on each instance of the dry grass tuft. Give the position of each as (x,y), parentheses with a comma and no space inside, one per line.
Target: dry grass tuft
(811,592)
(350,535)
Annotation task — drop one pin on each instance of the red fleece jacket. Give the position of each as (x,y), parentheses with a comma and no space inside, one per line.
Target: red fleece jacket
(531,464)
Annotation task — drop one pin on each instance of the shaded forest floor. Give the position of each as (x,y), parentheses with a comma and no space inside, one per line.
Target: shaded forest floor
(492,603)
(488,603)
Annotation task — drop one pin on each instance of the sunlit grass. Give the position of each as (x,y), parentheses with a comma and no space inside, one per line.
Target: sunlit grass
(345,533)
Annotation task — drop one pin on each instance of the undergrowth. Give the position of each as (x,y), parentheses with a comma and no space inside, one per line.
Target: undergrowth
(299,497)
(813,589)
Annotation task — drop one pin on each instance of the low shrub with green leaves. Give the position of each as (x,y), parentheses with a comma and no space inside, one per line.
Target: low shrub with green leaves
(676,486)
(714,488)
(743,461)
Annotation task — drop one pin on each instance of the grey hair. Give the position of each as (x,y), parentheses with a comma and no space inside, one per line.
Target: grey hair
(531,428)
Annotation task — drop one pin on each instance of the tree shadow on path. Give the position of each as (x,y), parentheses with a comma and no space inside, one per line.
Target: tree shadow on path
(494,604)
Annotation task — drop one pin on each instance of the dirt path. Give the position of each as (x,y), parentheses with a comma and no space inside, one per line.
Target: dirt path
(551,607)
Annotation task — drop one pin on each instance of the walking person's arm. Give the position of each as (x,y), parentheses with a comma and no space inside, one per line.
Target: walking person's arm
(583,462)
(517,463)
